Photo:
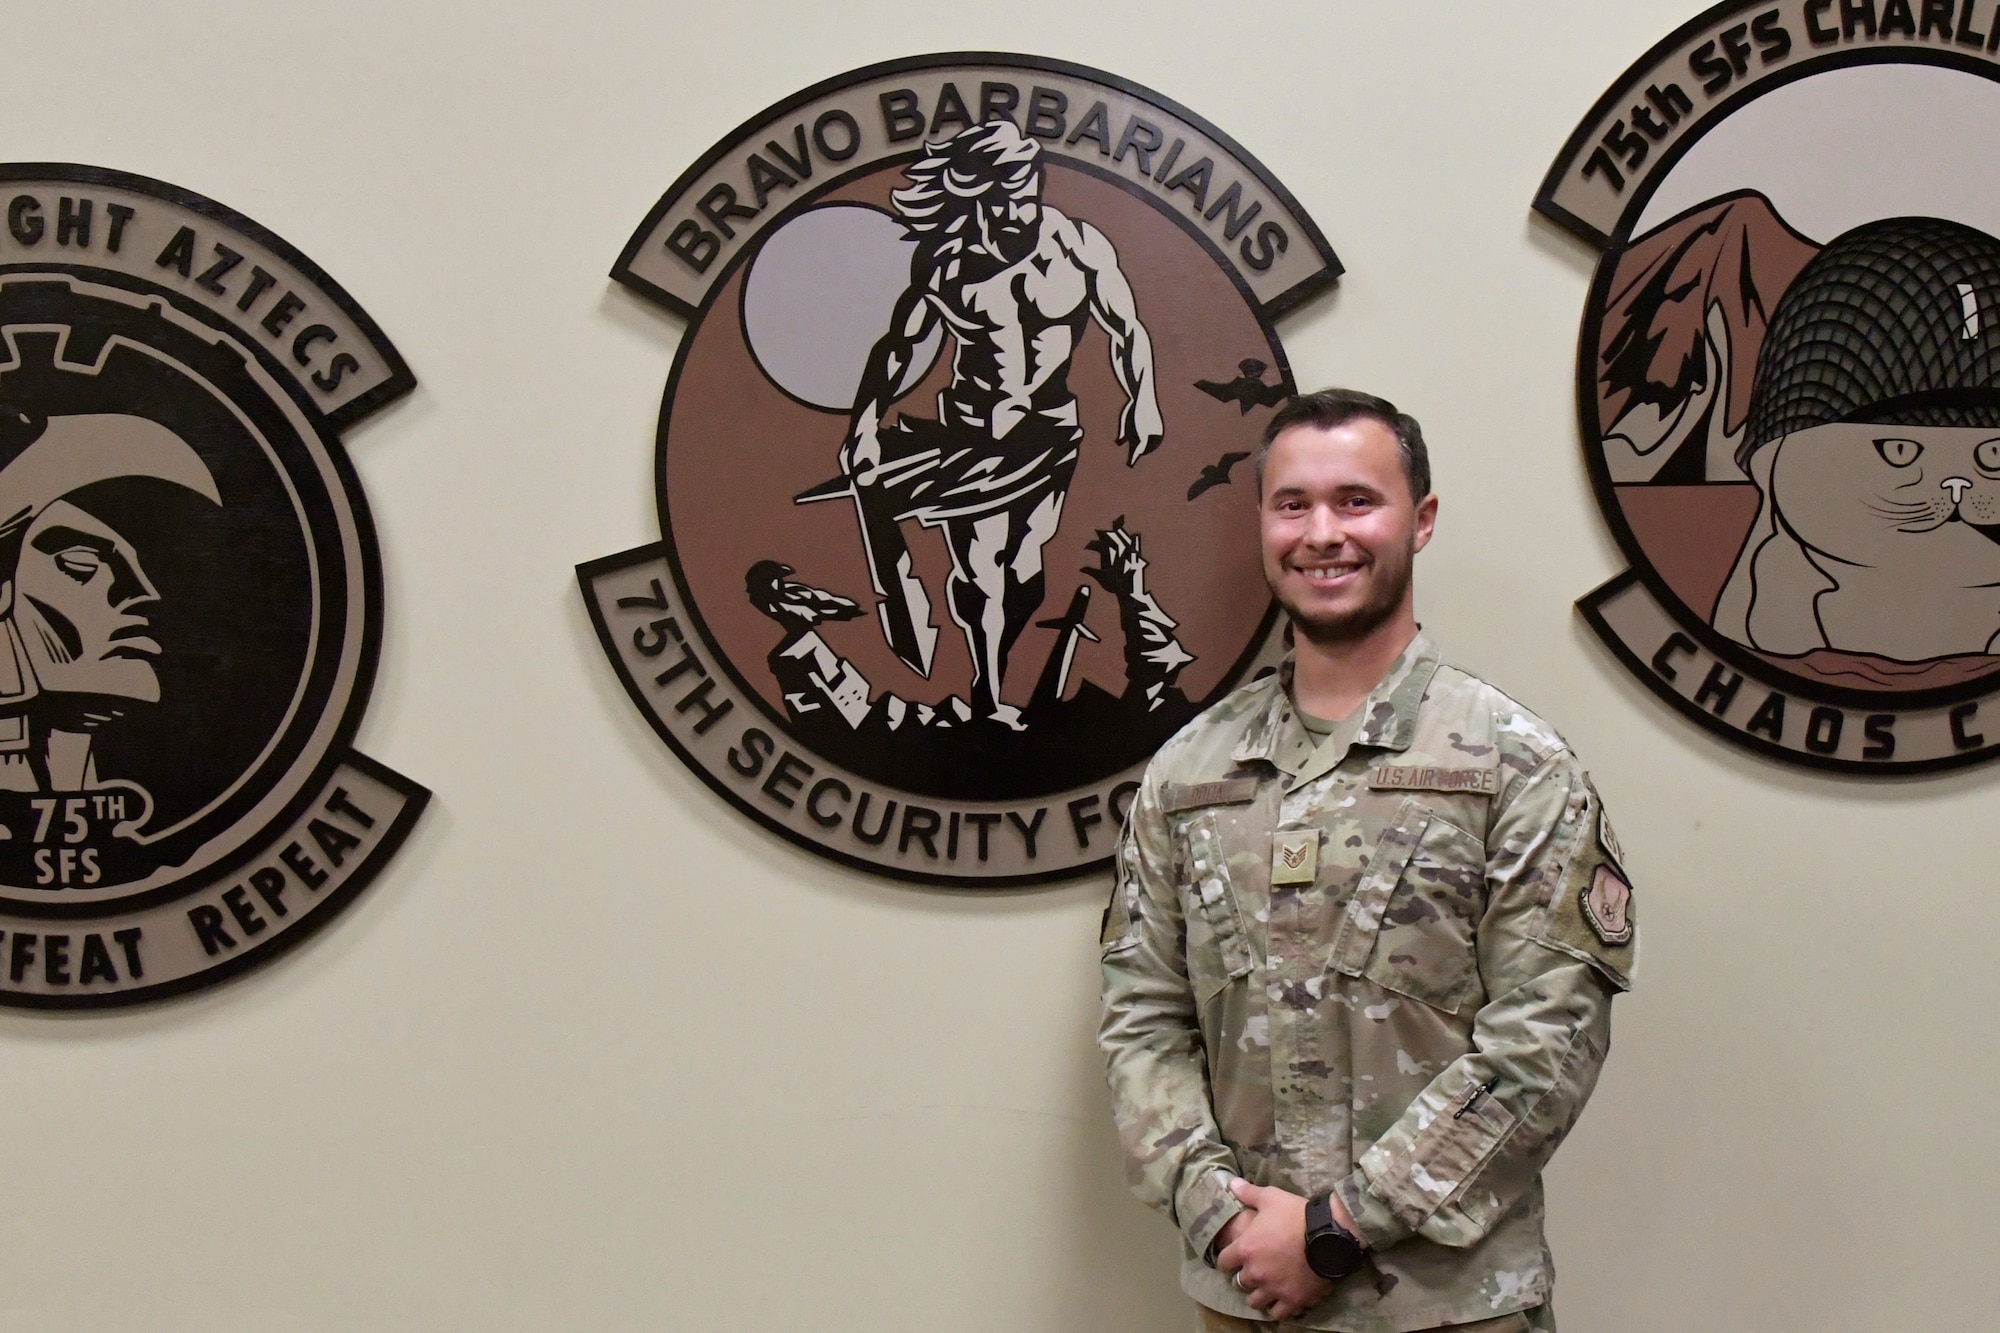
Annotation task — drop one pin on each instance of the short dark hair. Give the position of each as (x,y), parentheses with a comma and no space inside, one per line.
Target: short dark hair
(1336,407)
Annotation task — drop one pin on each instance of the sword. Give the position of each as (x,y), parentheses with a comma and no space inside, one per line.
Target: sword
(1069,628)
(905,610)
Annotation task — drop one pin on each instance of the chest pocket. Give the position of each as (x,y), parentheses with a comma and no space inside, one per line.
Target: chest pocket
(1411,923)
(1218,947)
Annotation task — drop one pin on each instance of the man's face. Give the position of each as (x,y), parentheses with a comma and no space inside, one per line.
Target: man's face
(1340,528)
(1009,224)
(77,593)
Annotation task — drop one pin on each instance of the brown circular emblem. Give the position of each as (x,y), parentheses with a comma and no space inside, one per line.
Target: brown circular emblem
(1789,378)
(190,595)
(954,469)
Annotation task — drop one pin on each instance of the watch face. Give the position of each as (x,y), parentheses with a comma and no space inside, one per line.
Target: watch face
(1332,1254)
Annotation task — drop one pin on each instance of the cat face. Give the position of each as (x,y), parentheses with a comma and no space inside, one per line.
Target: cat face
(1922,502)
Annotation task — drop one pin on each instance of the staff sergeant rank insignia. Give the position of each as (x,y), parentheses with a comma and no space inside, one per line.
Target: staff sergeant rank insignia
(1295,857)
(190,597)
(1789,381)
(955,522)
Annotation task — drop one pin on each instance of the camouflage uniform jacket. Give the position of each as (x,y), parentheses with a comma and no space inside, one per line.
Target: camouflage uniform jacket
(1413,1015)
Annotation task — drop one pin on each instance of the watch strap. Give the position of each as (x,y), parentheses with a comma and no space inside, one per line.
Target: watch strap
(1319,1213)
(1332,1251)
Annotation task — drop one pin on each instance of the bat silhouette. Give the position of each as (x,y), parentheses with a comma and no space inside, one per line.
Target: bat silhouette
(796,606)
(1215,474)
(1247,390)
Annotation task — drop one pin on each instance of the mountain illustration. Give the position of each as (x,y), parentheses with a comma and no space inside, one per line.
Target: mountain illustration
(1685,317)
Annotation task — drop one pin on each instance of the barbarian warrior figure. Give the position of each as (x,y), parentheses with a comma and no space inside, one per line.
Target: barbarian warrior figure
(1014,283)
(1874,440)
(75,646)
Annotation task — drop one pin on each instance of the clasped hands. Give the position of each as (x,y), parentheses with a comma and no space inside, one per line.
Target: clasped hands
(1263,1250)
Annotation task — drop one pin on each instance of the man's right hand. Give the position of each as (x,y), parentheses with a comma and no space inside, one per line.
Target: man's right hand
(1263,1251)
(860,455)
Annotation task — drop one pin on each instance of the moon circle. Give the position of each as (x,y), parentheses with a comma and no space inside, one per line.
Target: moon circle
(820,293)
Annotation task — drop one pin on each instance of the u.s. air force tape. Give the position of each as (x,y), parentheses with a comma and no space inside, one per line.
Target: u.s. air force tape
(1476,780)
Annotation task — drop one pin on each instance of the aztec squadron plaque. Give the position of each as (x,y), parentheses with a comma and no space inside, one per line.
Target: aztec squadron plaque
(1789,375)
(953,465)
(190,598)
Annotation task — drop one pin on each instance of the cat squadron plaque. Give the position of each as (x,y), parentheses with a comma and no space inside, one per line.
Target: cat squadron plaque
(957,519)
(190,599)
(1789,375)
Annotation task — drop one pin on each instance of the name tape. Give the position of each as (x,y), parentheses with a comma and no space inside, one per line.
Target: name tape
(1179,796)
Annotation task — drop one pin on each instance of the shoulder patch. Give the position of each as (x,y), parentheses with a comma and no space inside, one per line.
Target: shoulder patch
(1480,781)
(1593,913)
(1180,797)
(1607,905)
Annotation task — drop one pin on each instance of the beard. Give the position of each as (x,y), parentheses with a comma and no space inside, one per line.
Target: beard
(1012,244)
(1329,629)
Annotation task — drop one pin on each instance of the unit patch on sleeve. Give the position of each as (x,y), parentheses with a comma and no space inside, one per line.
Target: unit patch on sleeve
(1606,901)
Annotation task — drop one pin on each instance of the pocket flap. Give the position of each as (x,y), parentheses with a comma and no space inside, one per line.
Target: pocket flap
(1450,1151)
(1216,940)
(1371,896)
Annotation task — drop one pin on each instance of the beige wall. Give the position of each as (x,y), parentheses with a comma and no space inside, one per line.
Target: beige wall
(597,1053)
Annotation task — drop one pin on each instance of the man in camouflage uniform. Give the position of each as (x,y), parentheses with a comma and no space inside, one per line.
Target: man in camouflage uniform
(1368,921)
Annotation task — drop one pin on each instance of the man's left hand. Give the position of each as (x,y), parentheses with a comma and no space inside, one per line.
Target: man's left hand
(1140,429)
(1268,1254)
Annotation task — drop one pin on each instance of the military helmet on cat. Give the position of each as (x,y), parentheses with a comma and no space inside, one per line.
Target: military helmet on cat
(1896,321)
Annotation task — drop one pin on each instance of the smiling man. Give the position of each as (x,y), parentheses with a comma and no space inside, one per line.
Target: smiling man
(1368,921)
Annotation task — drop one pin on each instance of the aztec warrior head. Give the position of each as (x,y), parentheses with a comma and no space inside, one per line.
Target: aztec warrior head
(1874,441)
(74,595)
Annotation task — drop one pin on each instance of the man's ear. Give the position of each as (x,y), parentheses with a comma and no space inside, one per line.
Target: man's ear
(1427,514)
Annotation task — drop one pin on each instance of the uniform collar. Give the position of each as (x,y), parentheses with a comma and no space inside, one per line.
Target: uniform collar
(1388,714)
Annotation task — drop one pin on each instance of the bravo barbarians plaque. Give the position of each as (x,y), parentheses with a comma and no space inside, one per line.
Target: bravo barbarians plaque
(1789,375)
(953,467)
(190,597)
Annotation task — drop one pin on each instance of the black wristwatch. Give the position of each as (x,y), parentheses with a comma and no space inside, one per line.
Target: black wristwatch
(1332,1250)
